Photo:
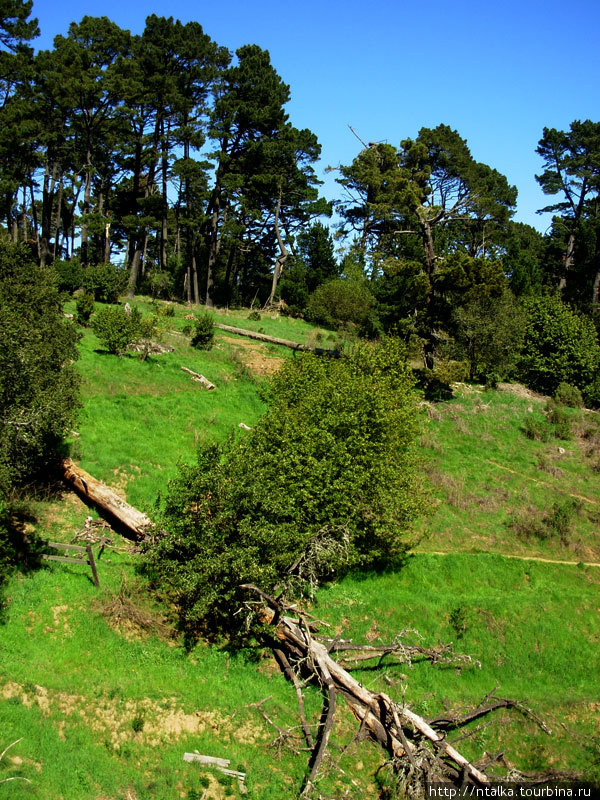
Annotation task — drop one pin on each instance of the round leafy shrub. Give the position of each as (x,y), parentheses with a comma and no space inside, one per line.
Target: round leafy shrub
(116,328)
(254,316)
(559,346)
(568,395)
(324,481)
(69,275)
(85,308)
(204,332)
(159,283)
(105,281)
(340,301)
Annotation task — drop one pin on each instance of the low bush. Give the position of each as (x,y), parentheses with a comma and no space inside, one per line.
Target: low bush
(106,282)
(85,306)
(204,332)
(116,328)
(340,301)
(558,417)
(568,395)
(536,428)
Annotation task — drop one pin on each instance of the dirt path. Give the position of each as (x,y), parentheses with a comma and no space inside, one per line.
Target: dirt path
(542,483)
(505,555)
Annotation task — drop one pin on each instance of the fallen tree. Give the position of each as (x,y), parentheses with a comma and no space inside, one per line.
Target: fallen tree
(262,337)
(418,750)
(134,523)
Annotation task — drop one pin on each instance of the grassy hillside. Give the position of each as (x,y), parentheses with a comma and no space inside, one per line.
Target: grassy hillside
(107,699)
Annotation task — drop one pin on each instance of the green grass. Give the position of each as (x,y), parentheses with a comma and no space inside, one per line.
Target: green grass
(488,480)
(141,418)
(534,627)
(108,712)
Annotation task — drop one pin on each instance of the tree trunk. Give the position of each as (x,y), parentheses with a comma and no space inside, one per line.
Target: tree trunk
(164,170)
(283,252)
(134,270)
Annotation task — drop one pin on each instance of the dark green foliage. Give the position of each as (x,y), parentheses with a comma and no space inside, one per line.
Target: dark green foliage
(85,306)
(69,275)
(38,384)
(340,301)
(105,281)
(326,480)
(116,328)
(560,346)
(204,332)
(490,332)
(568,395)
(591,393)
(254,316)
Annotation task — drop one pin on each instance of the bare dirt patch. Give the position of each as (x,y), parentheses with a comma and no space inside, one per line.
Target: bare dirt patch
(117,720)
(257,357)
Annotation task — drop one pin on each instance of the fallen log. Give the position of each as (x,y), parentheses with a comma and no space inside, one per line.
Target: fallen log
(262,337)
(413,744)
(134,522)
(196,376)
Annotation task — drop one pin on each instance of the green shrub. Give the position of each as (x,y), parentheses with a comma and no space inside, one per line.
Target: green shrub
(204,332)
(106,282)
(340,301)
(325,480)
(536,428)
(254,316)
(85,308)
(557,416)
(568,395)
(166,310)
(116,328)
(69,275)
(591,393)
(159,283)
(560,346)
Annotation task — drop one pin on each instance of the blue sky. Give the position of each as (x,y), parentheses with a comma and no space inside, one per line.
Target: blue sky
(496,73)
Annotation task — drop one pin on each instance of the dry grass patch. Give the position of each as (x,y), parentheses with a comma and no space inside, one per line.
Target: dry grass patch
(129,613)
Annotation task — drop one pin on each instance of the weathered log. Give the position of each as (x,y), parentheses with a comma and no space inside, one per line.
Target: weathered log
(262,337)
(196,376)
(134,522)
(392,724)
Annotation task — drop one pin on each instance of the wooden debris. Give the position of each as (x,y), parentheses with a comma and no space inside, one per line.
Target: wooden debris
(244,426)
(196,376)
(77,559)
(262,337)
(134,522)
(150,348)
(222,764)
(210,761)
(418,749)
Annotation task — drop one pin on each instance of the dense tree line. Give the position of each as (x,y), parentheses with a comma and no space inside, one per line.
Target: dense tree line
(162,163)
